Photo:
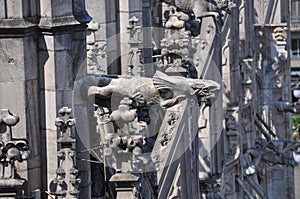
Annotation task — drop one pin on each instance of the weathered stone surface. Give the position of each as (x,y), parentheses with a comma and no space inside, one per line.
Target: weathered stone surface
(12,60)
(242,45)
(2,9)
(67,182)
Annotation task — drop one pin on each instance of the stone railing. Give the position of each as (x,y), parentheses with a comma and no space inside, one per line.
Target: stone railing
(295,26)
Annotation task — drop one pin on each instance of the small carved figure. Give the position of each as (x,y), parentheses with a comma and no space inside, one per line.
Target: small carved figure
(134,29)
(175,19)
(75,181)
(94,52)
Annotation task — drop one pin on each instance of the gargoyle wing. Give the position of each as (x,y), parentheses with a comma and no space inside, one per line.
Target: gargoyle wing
(178,85)
(183,5)
(172,89)
(162,81)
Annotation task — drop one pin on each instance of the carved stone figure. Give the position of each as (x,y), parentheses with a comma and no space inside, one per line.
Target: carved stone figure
(202,8)
(176,19)
(279,34)
(95,52)
(162,89)
(134,30)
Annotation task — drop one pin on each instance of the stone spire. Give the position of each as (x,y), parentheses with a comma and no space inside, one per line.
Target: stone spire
(66,182)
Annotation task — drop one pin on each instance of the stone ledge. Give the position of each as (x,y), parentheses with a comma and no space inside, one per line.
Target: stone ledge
(19,22)
(31,26)
(11,183)
(52,22)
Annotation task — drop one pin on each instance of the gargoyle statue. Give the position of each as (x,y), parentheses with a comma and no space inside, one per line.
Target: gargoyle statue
(202,8)
(145,92)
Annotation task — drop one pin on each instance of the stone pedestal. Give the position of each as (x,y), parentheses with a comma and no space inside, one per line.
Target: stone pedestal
(8,193)
(125,185)
(9,188)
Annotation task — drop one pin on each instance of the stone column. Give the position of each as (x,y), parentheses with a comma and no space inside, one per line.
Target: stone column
(135,65)
(128,10)
(97,37)
(208,57)
(124,38)
(273,85)
(147,39)
(19,79)
(62,60)
(66,184)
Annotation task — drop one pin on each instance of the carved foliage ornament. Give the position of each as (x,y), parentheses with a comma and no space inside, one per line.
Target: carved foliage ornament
(279,33)
(11,149)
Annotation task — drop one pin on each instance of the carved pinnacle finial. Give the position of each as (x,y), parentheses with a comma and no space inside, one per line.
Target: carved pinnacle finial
(65,122)
(11,149)
(66,184)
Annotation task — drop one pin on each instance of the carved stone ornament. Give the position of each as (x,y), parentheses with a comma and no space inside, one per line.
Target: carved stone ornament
(231,166)
(125,141)
(232,133)
(228,179)
(95,53)
(11,150)
(134,30)
(279,34)
(66,183)
(176,20)
(126,148)
(135,65)
(162,89)
(211,188)
(246,70)
(273,152)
